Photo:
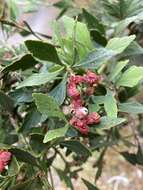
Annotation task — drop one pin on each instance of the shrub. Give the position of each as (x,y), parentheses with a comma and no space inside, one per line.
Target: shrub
(69,96)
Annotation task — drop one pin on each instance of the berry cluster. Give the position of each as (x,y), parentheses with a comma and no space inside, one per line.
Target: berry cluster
(80,116)
(5,157)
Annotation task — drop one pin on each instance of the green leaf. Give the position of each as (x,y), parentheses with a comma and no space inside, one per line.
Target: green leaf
(24,156)
(59,92)
(99,56)
(26,62)
(131,77)
(107,123)
(139,155)
(39,79)
(24,185)
(55,133)
(123,24)
(14,167)
(32,119)
(89,185)
(131,107)
(47,105)
(97,37)
(6,102)
(130,157)
(11,138)
(13,9)
(110,105)
(36,143)
(63,4)
(93,22)
(43,51)
(96,58)
(98,99)
(133,49)
(123,8)
(82,33)
(120,44)
(64,177)
(96,28)
(117,69)
(21,96)
(93,107)
(76,147)
(4,146)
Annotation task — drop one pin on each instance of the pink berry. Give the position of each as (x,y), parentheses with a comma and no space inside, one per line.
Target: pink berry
(90,90)
(91,78)
(80,124)
(2,166)
(5,157)
(76,79)
(93,118)
(77,103)
(80,112)
(72,90)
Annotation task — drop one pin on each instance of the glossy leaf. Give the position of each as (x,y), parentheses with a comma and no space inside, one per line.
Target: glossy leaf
(93,22)
(14,167)
(120,44)
(118,68)
(131,77)
(31,120)
(133,49)
(39,79)
(76,147)
(21,96)
(130,157)
(43,51)
(47,105)
(107,123)
(64,177)
(55,133)
(110,105)
(26,62)
(131,107)
(99,56)
(96,58)
(6,102)
(59,92)
(89,185)
(24,185)
(82,33)
(24,156)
